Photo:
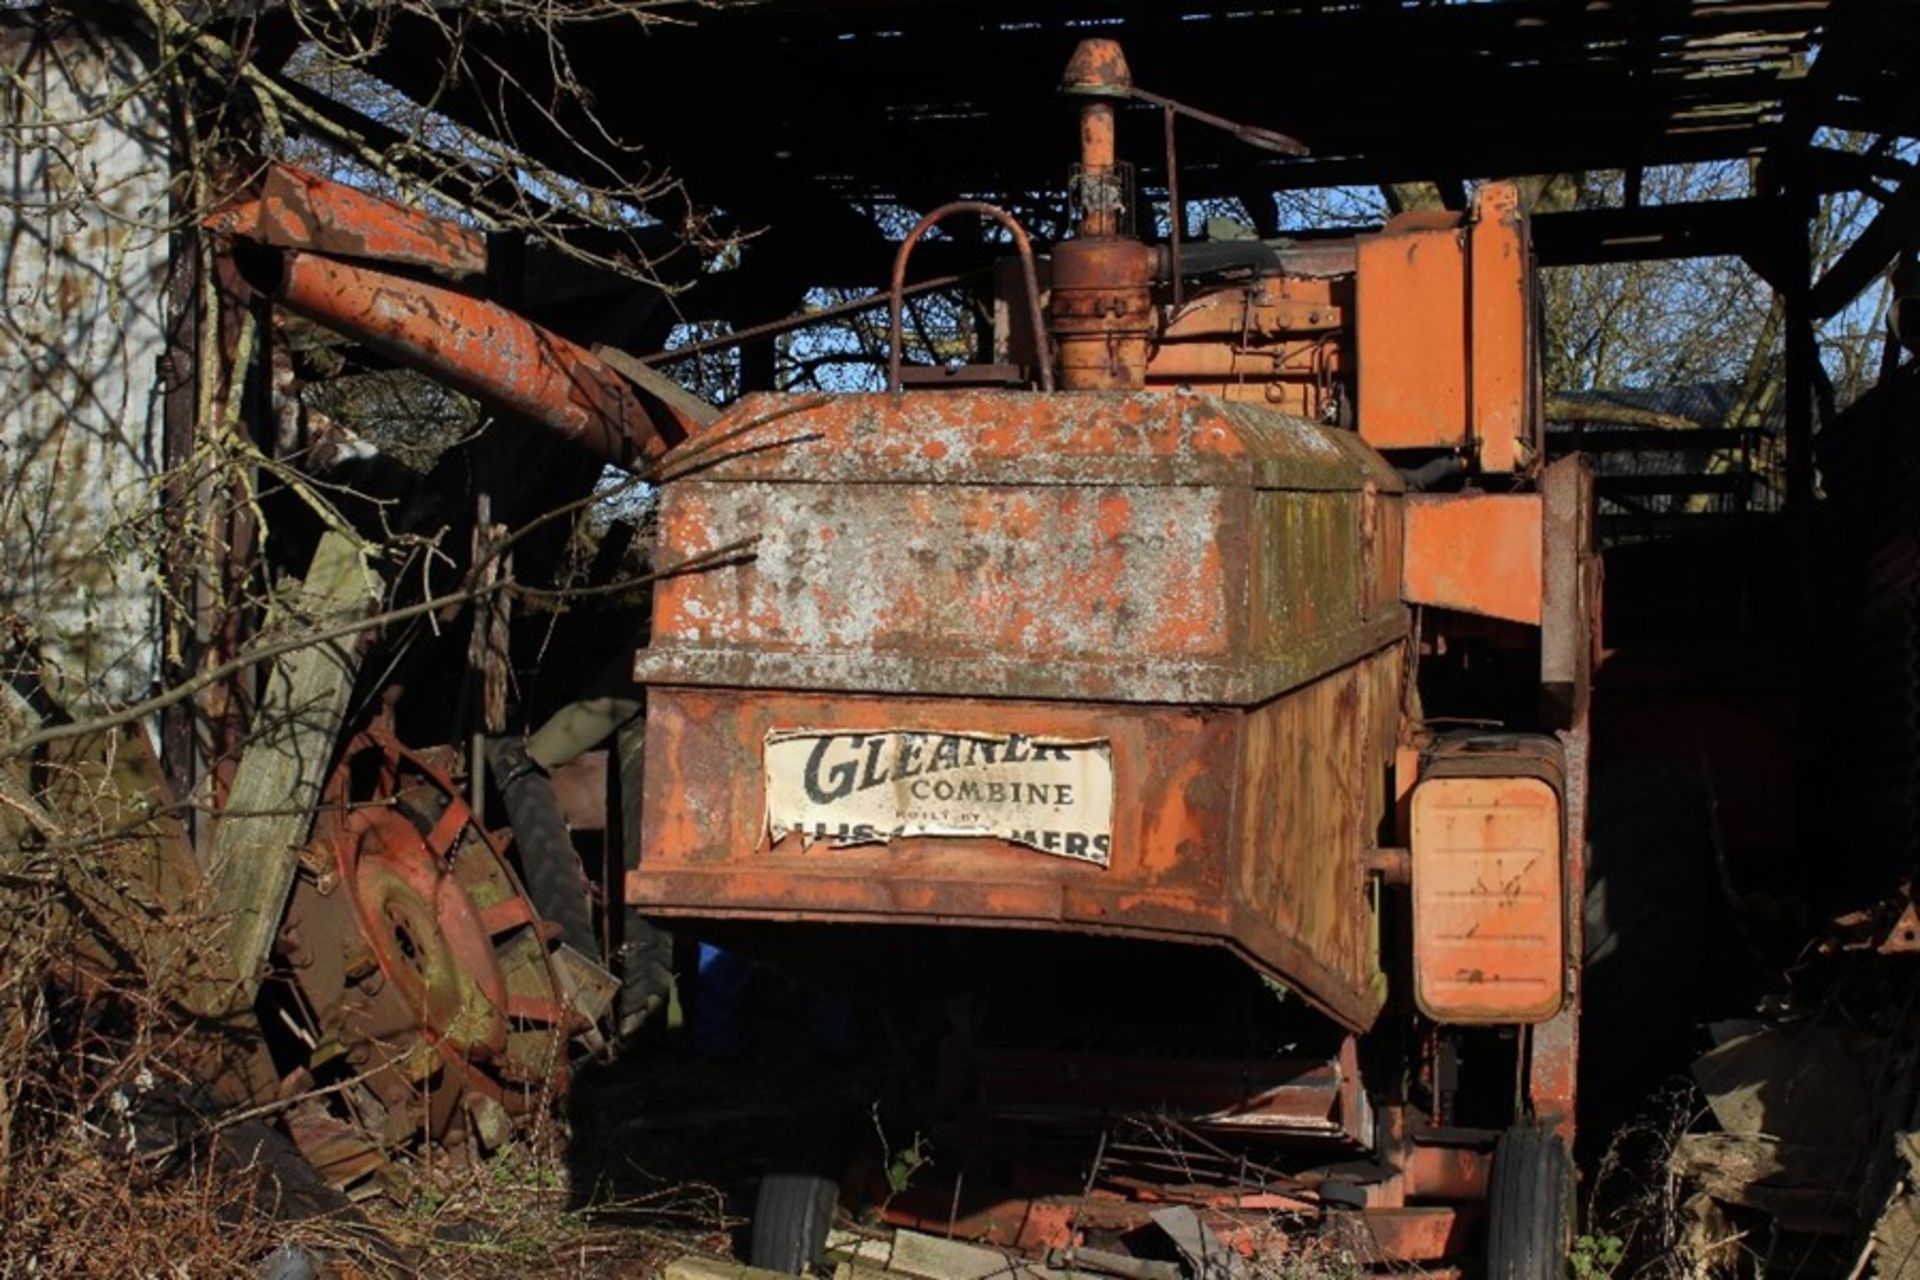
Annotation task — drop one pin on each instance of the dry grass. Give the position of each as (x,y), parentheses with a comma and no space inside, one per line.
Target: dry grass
(109,1173)
(519,1215)
(114,1159)
(88,1096)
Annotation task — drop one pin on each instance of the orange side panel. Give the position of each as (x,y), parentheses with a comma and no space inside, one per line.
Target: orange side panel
(1411,318)
(1488,926)
(1499,329)
(1231,828)
(1478,553)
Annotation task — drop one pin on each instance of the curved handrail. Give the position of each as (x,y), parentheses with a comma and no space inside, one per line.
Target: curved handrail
(1021,243)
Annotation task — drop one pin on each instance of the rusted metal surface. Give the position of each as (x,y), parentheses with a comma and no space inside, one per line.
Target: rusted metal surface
(1253,1226)
(1031,1224)
(1444,333)
(422,968)
(1097,73)
(1116,551)
(1102,305)
(1554,1045)
(1488,882)
(1102,311)
(1191,608)
(1240,830)
(1447,1173)
(897,289)
(480,348)
(1143,548)
(1904,937)
(301,210)
(1506,419)
(1476,553)
(1428,1233)
(1098,68)
(1570,590)
(1281,340)
(1569,649)
(1411,333)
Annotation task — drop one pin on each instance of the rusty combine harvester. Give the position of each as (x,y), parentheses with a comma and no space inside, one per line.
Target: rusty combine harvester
(1262,628)
(1178,727)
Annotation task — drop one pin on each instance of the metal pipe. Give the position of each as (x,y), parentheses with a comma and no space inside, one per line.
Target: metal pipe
(1099,215)
(895,291)
(1176,213)
(1208,257)
(301,210)
(1096,136)
(480,348)
(801,320)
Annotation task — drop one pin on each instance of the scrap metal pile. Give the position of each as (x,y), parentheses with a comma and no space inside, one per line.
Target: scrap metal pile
(372,959)
(426,990)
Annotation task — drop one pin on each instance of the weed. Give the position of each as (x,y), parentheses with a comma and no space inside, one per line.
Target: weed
(1594,1257)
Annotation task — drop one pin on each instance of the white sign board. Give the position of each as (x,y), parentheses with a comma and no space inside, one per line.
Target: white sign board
(1049,794)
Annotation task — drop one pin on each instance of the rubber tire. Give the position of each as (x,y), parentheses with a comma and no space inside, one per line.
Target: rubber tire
(791,1217)
(1530,1209)
(550,866)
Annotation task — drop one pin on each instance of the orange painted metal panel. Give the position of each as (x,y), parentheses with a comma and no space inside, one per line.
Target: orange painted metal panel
(1238,829)
(1448,1173)
(1500,330)
(1284,341)
(1411,327)
(1488,924)
(1313,792)
(1423,1233)
(1478,553)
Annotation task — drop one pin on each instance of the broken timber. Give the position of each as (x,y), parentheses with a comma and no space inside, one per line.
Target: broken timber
(269,809)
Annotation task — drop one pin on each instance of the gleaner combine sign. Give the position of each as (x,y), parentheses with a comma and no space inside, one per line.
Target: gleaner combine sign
(860,788)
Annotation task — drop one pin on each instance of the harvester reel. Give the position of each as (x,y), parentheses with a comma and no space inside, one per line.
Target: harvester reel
(426,980)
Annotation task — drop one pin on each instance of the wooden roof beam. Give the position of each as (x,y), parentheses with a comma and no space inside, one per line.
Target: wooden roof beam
(1893,231)
(1698,229)
(1846,44)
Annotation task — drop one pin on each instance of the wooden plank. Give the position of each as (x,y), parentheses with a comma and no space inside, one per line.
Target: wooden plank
(1654,440)
(269,809)
(696,411)
(937,1259)
(1692,229)
(695,1267)
(1634,486)
(1805,1187)
(1101,1262)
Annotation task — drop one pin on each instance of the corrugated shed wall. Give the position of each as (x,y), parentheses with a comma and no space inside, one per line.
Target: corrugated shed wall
(83,260)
